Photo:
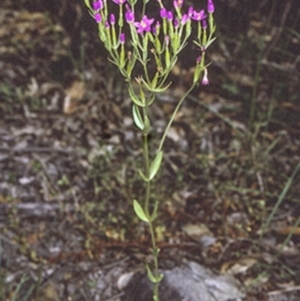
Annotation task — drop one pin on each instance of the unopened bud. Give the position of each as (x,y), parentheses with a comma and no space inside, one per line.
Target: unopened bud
(210,6)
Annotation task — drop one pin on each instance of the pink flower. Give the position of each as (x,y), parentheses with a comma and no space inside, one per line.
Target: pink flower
(198,16)
(144,25)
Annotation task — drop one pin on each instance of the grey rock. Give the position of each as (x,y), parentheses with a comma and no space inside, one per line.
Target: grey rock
(187,282)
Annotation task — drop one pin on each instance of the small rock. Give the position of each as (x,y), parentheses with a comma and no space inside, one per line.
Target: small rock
(188,282)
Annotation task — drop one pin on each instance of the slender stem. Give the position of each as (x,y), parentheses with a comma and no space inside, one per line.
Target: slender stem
(173,116)
(155,259)
(147,201)
(147,172)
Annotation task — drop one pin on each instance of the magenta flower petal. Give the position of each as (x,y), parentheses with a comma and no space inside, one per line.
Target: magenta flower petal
(184,19)
(144,25)
(190,11)
(198,16)
(178,3)
(119,2)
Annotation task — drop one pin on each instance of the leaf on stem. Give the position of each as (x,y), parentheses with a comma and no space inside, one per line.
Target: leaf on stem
(151,277)
(154,213)
(139,211)
(143,176)
(134,98)
(210,42)
(158,89)
(87,3)
(155,165)
(137,118)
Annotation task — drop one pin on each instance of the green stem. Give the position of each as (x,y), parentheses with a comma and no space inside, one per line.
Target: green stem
(155,259)
(147,202)
(173,116)
(147,172)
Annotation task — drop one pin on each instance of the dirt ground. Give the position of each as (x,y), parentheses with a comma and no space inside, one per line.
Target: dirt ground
(229,189)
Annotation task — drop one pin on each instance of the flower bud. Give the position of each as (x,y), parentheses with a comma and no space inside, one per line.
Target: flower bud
(97,5)
(184,19)
(163,13)
(176,22)
(129,16)
(122,38)
(205,80)
(119,2)
(167,40)
(210,6)
(169,15)
(178,3)
(112,19)
(98,17)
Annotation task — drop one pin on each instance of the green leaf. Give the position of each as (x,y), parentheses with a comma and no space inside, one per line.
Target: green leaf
(159,89)
(137,118)
(155,165)
(155,251)
(87,3)
(154,213)
(151,99)
(143,176)
(210,42)
(139,211)
(155,79)
(134,98)
(151,277)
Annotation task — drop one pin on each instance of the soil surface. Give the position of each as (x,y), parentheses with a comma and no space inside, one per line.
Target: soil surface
(69,152)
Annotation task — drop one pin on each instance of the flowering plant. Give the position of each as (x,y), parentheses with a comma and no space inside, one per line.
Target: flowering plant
(152,41)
